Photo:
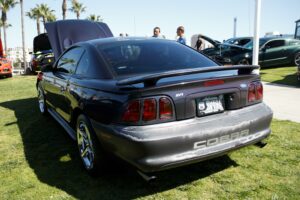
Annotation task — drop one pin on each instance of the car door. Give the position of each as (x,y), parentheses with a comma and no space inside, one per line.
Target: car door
(273,53)
(59,88)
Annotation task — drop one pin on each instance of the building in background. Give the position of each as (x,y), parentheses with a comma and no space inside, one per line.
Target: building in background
(15,55)
(297,30)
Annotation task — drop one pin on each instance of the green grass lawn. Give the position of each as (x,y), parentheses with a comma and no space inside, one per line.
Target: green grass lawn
(281,75)
(39,161)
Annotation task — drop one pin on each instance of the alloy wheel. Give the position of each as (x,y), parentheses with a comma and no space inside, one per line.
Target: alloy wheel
(297,59)
(41,99)
(85,145)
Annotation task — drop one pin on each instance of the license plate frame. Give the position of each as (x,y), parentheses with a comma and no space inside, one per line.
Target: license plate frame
(210,105)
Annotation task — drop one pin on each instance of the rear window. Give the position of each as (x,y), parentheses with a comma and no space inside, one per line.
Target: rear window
(136,57)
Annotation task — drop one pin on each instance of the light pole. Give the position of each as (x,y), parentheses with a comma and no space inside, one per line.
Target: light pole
(234,27)
(256,34)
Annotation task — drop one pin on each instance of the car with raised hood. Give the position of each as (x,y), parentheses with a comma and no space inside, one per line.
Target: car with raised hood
(154,103)
(273,51)
(5,64)
(42,54)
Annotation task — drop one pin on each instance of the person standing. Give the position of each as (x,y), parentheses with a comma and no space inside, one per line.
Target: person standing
(156,33)
(199,43)
(180,33)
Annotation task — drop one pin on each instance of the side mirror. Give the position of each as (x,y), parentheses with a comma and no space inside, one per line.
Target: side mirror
(47,68)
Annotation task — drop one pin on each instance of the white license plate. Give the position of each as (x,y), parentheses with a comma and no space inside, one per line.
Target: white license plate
(210,105)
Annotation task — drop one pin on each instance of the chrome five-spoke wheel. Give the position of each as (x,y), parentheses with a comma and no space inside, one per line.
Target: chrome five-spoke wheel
(85,145)
(41,100)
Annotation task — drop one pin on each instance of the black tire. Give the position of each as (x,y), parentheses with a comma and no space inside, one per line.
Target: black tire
(296,60)
(89,148)
(243,61)
(42,101)
(9,76)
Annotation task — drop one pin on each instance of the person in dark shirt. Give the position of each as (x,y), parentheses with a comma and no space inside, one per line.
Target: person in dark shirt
(199,43)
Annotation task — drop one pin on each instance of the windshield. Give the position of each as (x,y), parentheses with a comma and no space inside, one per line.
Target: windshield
(135,57)
(249,45)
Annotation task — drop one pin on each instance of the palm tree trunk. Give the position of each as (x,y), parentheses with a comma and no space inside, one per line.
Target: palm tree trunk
(4,31)
(64,9)
(78,15)
(23,34)
(3,19)
(44,22)
(38,25)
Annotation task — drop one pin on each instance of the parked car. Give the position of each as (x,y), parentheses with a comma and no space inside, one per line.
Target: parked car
(240,41)
(5,68)
(154,103)
(42,54)
(273,52)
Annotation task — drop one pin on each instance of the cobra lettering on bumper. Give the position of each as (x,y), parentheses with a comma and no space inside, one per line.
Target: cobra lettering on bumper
(222,139)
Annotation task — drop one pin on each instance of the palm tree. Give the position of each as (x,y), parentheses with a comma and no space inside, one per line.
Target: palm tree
(77,8)
(46,14)
(64,9)
(23,34)
(5,6)
(95,18)
(35,14)
(1,26)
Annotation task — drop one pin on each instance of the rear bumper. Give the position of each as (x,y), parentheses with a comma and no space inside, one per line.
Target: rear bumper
(162,146)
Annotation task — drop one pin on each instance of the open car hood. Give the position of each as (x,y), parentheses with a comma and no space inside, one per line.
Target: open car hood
(41,43)
(213,42)
(64,33)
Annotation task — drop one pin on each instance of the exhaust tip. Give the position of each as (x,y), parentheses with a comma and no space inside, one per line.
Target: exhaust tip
(148,178)
(261,144)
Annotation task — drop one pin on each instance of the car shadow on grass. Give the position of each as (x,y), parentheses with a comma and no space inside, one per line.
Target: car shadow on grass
(53,157)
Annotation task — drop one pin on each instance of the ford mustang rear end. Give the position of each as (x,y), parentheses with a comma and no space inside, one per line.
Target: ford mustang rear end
(155,103)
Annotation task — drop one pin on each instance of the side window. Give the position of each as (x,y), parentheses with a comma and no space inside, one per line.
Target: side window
(244,41)
(84,65)
(275,44)
(294,42)
(68,62)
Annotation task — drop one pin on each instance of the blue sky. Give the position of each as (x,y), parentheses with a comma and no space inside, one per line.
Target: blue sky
(213,18)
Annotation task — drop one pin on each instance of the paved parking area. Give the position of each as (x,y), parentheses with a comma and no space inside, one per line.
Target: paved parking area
(284,101)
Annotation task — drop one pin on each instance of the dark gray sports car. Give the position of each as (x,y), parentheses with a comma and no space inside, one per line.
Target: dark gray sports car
(154,103)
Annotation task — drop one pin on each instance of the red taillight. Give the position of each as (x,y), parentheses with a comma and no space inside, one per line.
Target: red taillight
(165,109)
(132,112)
(255,92)
(149,110)
(259,91)
(146,110)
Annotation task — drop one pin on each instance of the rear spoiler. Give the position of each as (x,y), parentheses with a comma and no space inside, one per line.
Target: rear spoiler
(151,80)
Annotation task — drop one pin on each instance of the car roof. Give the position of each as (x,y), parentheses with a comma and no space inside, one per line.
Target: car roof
(123,39)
